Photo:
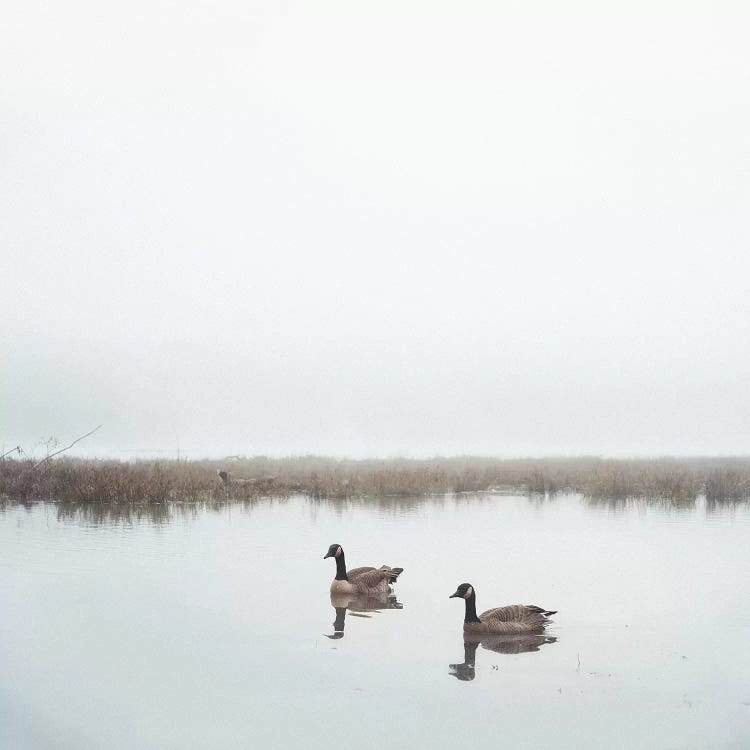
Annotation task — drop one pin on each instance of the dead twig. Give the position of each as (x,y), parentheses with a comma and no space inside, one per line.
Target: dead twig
(62,450)
(17,448)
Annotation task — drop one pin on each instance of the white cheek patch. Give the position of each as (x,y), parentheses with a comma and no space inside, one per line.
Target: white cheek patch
(468,593)
(338,551)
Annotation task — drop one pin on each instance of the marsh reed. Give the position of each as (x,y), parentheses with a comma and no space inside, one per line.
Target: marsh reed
(83,480)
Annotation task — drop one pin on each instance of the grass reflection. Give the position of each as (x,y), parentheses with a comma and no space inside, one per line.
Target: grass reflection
(95,513)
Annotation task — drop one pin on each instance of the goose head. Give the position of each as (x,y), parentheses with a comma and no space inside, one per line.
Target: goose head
(464,591)
(334,551)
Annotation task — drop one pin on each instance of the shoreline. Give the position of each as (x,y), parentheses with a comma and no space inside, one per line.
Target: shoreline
(102,480)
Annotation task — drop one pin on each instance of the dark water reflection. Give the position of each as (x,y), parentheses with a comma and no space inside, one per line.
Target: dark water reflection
(624,504)
(361,606)
(108,513)
(159,513)
(519,643)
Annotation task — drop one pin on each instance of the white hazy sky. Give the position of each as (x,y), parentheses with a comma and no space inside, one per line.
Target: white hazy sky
(375,228)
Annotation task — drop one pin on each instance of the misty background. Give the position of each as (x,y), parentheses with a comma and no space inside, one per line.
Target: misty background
(375,229)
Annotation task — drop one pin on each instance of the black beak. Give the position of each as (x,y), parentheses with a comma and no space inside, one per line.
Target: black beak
(457,595)
(327,554)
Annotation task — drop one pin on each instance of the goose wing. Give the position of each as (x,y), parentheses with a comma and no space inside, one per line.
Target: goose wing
(369,578)
(521,616)
(510,613)
(357,572)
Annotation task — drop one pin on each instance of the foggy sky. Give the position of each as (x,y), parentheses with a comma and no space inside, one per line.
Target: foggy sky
(375,228)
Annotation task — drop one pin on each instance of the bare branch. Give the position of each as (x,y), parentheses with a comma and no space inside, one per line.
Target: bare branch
(17,448)
(62,450)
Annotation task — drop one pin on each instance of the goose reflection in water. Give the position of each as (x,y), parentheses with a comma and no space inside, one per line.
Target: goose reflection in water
(519,643)
(359,606)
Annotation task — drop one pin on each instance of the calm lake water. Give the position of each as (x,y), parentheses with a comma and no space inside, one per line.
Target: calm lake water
(194,627)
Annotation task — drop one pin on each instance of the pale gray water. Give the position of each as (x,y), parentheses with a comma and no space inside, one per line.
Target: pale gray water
(206,628)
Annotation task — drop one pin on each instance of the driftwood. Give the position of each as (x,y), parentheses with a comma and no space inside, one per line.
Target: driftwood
(68,447)
(227,478)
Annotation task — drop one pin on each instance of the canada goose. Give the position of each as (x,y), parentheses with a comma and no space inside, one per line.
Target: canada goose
(515,618)
(367,581)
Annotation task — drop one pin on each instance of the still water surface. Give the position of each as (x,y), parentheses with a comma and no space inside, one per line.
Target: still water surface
(195,627)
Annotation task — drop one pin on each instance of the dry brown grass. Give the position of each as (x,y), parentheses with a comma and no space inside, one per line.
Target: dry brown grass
(77,480)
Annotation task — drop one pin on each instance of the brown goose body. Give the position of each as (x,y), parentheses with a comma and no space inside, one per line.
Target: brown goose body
(364,581)
(514,618)
(508,620)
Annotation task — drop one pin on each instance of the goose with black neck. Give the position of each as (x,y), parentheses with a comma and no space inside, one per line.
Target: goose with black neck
(513,618)
(366,580)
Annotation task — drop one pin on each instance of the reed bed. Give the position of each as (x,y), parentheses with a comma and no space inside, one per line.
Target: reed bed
(80,480)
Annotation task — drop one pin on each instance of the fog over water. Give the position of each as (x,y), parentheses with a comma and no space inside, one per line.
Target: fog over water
(375,228)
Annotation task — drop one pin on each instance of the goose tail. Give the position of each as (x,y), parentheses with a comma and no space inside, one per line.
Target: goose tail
(392,573)
(541,610)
